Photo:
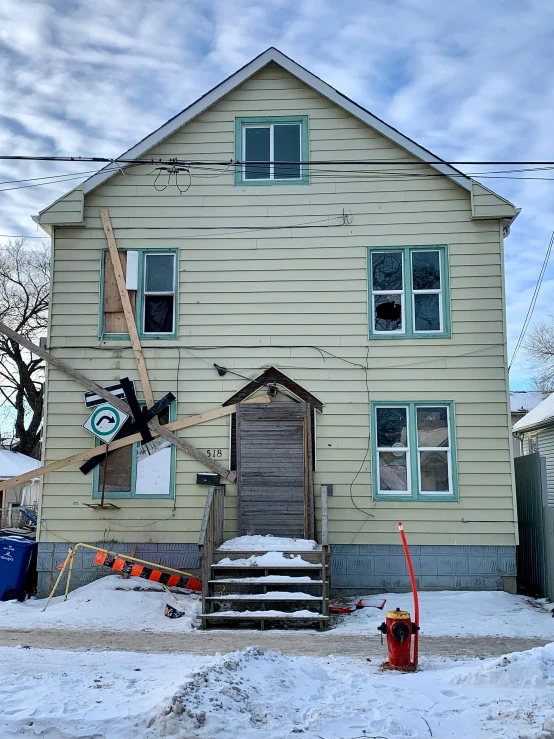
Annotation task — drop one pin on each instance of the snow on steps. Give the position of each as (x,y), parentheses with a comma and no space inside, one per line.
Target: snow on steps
(241,576)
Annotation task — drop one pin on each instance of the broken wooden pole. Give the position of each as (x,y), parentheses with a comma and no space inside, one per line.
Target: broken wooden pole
(162,431)
(127,309)
(183,423)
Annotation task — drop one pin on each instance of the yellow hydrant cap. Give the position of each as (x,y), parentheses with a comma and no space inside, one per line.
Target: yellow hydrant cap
(398,615)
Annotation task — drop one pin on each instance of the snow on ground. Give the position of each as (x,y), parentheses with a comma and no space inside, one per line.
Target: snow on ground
(259,694)
(267,543)
(459,613)
(113,603)
(110,603)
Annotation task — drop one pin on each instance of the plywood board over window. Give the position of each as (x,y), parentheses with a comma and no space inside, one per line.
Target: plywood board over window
(114,317)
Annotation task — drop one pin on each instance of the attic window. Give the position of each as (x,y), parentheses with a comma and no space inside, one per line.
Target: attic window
(271,150)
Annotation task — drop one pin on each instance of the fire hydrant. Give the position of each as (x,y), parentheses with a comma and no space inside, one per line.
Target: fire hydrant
(399,629)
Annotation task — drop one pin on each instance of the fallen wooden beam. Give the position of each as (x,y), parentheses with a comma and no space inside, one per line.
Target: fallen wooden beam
(83,380)
(127,309)
(183,423)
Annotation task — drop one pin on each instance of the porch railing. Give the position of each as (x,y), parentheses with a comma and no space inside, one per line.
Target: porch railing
(211,534)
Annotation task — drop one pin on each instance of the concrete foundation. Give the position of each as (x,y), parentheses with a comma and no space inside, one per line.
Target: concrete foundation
(382,567)
(355,568)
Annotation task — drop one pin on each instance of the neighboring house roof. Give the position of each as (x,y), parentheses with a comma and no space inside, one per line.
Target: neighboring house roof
(541,415)
(14,463)
(311,80)
(523,401)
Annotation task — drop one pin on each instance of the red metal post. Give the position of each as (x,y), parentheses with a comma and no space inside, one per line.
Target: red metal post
(414,589)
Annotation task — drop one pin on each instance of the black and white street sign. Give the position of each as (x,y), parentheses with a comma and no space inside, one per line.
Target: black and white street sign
(91,399)
(105,421)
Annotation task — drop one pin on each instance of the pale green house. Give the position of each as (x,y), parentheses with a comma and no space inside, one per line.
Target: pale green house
(373,294)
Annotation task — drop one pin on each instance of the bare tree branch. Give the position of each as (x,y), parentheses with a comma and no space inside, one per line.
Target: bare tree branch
(539,349)
(24,290)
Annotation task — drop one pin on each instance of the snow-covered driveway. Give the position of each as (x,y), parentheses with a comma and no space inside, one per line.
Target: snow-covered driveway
(258,694)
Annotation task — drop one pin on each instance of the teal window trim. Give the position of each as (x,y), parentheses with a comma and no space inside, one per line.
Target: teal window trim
(408,318)
(97,493)
(240,123)
(414,493)
(140,298)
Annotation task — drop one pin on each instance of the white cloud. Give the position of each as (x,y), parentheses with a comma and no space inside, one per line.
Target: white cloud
(468,80)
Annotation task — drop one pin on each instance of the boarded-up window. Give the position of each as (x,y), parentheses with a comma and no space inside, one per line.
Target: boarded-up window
(114,318)
(119,477)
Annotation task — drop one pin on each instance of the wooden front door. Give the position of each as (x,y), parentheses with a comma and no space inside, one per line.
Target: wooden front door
(274,470)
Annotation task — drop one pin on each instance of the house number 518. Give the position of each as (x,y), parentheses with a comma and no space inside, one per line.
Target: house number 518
(214,452)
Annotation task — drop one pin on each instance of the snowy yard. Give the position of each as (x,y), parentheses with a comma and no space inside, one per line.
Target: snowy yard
(113,603)
(257,693)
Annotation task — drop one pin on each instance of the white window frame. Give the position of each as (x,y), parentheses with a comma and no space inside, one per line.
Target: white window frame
(271,177)
(435,493)
(426,292)
(375,293)
(148,294)
(408,492)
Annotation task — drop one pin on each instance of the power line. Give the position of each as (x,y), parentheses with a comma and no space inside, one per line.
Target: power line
(152,160)
(533,302)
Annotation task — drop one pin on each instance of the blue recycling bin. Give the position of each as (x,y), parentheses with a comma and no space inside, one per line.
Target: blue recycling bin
(16,555)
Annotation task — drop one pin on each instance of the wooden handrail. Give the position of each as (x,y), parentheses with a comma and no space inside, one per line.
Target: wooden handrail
(211,535)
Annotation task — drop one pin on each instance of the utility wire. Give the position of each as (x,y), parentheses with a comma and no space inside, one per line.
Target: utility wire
(533,302)
(151,160)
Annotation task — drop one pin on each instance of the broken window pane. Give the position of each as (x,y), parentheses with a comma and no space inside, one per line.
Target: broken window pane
(432,426)
(160,277)
(392,427)
(426,274)
(388,312)
(427,312)
(256,149)
(387,270)
(286,145)
(393,471)
(434,472)
(158,314)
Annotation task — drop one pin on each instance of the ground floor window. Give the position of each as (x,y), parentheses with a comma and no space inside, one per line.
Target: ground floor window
(414,453)
(139,470)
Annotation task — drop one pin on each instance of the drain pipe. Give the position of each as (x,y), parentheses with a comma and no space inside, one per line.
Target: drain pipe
(414,590)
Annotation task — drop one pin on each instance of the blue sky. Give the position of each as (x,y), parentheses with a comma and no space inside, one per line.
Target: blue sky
(469,80)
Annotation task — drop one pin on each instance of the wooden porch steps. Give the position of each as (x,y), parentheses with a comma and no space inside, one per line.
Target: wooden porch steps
(241,588)
(246,588)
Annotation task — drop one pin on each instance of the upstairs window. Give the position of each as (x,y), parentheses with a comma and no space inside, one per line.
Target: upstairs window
(409,292)
(271,150)
(159,294)
(151,280)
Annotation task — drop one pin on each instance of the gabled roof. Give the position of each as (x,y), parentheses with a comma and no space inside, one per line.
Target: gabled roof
(541,415)
(311,80)
(273,376)
(316,83)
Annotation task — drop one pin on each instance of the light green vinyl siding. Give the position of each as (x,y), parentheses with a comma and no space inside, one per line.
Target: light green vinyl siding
(268,297)
(66,210)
